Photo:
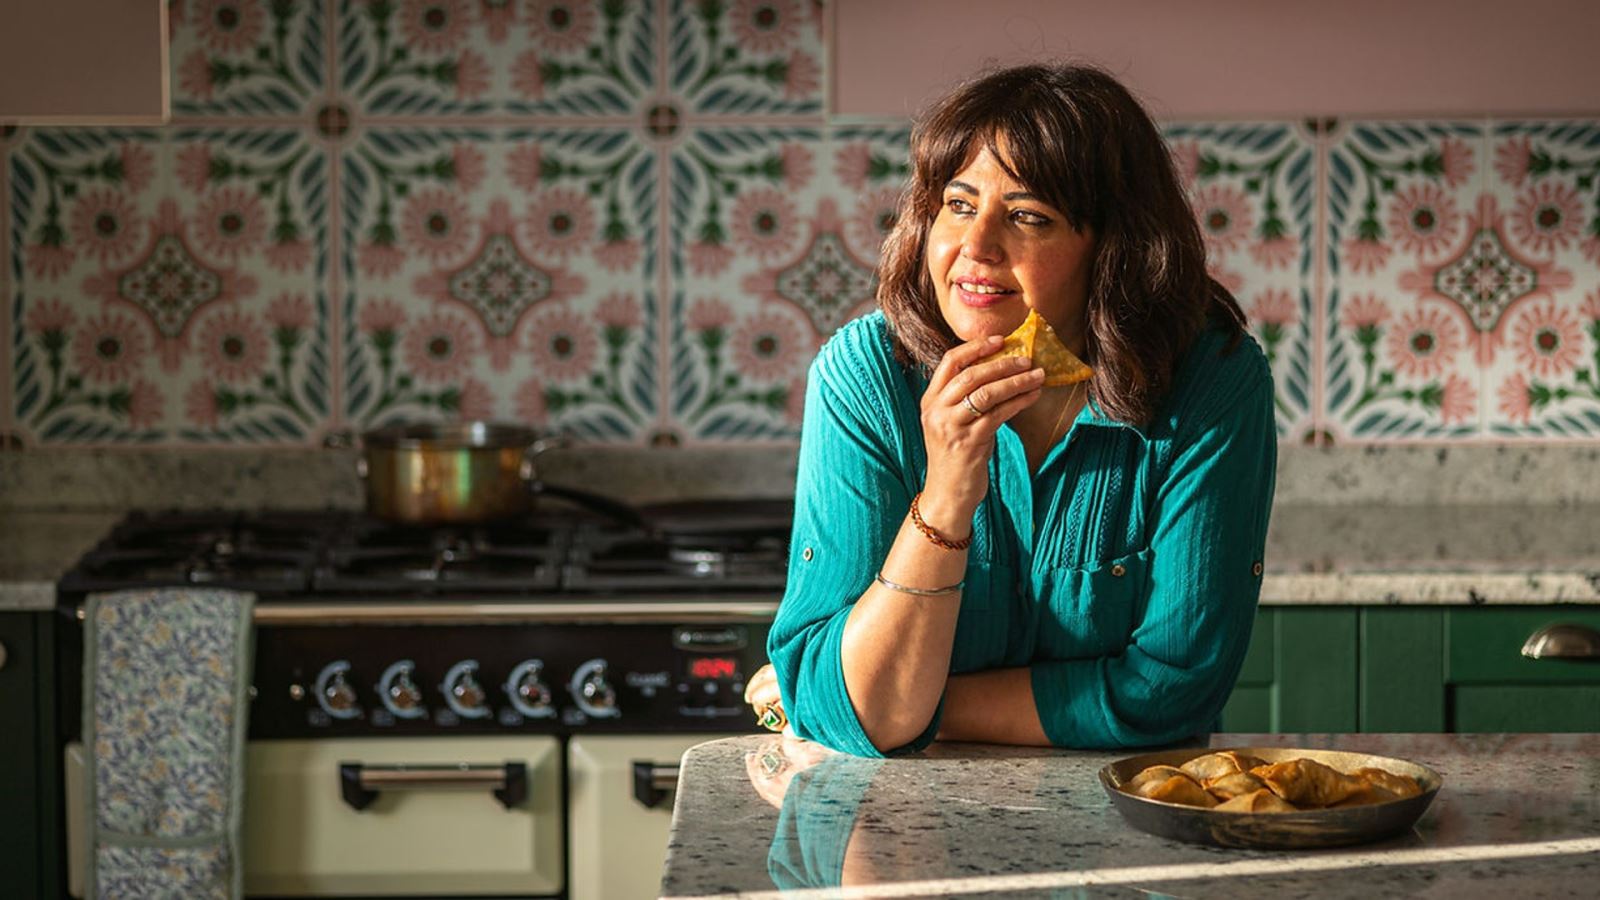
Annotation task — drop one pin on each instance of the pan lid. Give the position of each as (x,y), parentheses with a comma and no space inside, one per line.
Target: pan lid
(451,435)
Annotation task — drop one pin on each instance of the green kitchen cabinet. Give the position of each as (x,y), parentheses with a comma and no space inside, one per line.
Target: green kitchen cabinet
(1491,686)
(28,820)
(1300,673)
(1411,669)
(1461,669)
(1402,684)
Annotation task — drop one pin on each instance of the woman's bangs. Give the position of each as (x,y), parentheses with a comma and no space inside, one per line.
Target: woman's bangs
(1036,159)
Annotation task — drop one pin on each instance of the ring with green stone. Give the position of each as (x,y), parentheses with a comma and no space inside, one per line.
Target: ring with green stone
(771,718)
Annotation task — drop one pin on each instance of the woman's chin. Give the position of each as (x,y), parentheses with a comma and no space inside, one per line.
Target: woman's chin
(972,328)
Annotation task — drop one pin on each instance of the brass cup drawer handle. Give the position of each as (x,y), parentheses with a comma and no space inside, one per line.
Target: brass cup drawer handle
(1563,641)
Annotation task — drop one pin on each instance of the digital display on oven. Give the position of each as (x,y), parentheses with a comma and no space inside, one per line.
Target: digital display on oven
(711,668)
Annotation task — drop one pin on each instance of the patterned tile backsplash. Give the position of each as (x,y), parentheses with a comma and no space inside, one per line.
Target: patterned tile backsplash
(635,221)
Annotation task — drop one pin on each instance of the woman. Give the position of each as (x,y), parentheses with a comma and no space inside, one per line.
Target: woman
(975,556)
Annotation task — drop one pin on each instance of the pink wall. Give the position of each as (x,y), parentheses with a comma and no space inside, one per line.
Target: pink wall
(1240,58)
(84,62)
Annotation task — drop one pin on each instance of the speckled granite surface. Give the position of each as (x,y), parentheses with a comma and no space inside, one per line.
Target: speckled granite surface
(1440,475)
(1457,554)
(78,479)
(84,479)
(1518,815)
(36,548)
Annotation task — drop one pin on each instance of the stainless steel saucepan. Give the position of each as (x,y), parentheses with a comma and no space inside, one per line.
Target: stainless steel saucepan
(465,474)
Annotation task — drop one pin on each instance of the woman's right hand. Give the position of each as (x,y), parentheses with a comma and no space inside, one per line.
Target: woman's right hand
(965,404)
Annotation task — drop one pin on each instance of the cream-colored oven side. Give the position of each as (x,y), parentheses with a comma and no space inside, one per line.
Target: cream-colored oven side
(621,789)
(433,824)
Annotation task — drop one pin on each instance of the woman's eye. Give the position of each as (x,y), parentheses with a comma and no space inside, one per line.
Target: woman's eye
(1029,217)
(958,205)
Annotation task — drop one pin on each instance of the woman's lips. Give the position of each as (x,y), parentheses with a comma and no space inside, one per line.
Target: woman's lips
(981,301)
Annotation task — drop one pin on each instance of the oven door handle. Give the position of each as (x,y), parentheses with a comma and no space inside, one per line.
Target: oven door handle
(360,784)
(653,783)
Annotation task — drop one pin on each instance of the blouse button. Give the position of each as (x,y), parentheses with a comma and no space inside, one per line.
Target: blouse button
(1119,570)
(1256,569)
(806,554)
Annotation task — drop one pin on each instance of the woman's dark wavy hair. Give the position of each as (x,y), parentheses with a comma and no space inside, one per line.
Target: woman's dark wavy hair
(1080,141)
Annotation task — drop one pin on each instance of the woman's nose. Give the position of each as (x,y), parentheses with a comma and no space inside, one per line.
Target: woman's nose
(981,240)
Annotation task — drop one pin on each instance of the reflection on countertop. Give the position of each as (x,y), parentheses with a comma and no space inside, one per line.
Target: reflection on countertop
(1518,815)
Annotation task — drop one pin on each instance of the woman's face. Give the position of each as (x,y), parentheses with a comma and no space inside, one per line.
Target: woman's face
(995,251)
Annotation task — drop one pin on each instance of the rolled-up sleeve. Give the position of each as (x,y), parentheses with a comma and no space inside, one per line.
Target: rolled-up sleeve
(851,492)
(1208,531)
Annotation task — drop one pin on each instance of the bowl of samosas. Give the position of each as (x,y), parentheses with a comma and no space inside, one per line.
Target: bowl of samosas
(1270,797)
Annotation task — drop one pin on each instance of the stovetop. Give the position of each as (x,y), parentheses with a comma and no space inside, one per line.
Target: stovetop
(559,623)
(699,547)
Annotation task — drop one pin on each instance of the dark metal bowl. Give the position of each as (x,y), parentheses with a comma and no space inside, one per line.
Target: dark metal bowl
(1272,831)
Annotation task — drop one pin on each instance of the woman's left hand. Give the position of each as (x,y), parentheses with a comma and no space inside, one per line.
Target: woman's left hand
(761,692)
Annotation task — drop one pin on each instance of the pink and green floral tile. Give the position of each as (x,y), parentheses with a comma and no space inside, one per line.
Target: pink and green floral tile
(167,285)
(1538,272)
(501,275)
(10,269)
(1253,187)
(541,57)
(742,57)
(1410,236)
(775,235)
(246,57)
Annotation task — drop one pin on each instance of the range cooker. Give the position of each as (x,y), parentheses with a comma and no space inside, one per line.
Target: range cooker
(490,710)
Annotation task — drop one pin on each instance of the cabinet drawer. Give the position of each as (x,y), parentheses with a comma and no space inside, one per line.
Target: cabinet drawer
(1550,707)
(1485,646)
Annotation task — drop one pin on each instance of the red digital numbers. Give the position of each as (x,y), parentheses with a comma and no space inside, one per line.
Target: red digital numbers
(711,667)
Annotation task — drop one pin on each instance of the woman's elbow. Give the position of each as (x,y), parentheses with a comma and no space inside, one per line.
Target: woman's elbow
(889,732)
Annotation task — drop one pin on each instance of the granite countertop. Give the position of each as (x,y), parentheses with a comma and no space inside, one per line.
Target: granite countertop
(1453,554)
(1337,555)
(37,548)
(1518,815)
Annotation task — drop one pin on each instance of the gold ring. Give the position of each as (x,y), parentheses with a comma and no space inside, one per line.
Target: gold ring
(971,407)
(771,718)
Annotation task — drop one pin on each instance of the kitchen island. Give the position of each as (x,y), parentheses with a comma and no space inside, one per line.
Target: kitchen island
(1518,815)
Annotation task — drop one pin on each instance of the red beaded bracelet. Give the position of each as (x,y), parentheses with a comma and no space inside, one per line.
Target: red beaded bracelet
(930,534)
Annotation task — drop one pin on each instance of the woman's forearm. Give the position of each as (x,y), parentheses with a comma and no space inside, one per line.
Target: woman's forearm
(896,649)
(992,707)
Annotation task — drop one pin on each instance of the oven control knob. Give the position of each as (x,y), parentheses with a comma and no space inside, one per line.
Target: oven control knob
(339,694)
(399,692)
(334,693)
(463,693)
(528,692)
(592,692)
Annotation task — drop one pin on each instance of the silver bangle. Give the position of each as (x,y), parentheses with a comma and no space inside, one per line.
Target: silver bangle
(921,592)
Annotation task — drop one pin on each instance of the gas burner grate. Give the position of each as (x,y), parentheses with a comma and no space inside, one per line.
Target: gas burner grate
(530,539)
(259,572)
(484,558)
(679,561)
(710,548)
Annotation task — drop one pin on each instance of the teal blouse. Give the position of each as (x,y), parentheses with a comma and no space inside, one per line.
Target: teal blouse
(1125,572)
